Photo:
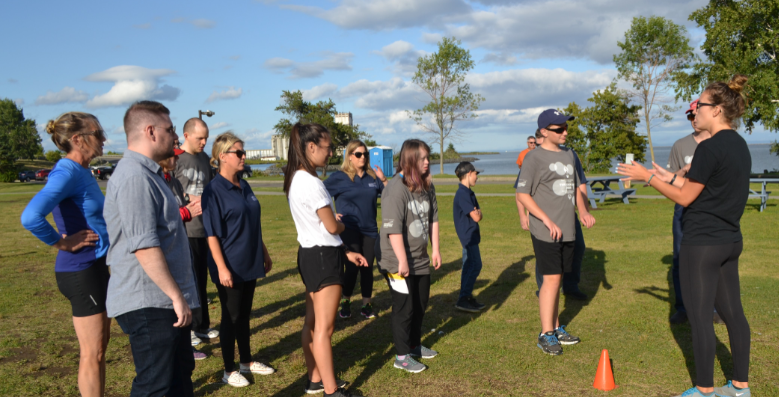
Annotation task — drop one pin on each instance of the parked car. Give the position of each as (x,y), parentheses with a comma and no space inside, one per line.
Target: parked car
(26,176)
(247,171)
(42,175)
(102,172)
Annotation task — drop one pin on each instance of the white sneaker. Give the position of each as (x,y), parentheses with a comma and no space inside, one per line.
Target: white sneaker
(258,368)
(195,340)
(235,379)
(209,334)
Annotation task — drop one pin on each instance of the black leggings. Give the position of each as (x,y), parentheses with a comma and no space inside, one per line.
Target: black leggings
(358,242)
(236,308)
(709,277)
(408,311)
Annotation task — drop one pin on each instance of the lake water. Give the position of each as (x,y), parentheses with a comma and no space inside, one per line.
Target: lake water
(505,163)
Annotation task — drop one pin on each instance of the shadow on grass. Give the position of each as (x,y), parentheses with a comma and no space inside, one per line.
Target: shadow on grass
(593,277)
(682,332)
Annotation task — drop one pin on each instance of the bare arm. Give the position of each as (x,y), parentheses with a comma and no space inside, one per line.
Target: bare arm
(554,231)
(583,206)
(682,192)
(476,214)
(396,241)
(524,220)
(436,251)
(153,262)
(225,277)
(328,219)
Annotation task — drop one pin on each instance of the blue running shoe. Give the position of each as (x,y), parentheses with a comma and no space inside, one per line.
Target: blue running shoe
(730,391)
(694,392)
(564,337)
(549,344)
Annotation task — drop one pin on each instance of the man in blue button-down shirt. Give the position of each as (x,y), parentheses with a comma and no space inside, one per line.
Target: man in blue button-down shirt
(152,289)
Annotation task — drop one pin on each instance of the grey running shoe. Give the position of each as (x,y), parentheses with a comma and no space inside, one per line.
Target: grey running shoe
(319,387)
(549,344)
(195,340)
(410,365)
(730,391)
(564,337)
(467,306)
(423,352)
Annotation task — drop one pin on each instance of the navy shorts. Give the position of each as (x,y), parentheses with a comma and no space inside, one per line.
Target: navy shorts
(85,289)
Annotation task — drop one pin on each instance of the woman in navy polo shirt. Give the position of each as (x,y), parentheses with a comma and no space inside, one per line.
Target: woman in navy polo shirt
(238,256)
(355,189)
(74,199)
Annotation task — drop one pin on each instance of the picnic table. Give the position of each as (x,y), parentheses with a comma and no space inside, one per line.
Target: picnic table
(763,193)
(599,187)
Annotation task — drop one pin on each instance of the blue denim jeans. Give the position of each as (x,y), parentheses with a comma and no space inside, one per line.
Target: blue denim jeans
(470,271)
(571,279)
(162,353)
(677,231)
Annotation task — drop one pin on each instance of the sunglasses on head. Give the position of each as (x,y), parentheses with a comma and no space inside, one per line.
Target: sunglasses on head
(557,130)
(359,154)
(238,153)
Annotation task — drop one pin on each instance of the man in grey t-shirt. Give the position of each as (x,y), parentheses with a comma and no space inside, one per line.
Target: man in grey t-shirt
(152,286)
(193,170)
(679,163)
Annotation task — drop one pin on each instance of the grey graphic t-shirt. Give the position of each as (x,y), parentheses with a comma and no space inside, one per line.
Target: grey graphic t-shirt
(681,153)
(194,173)
(411,215)
(551,179)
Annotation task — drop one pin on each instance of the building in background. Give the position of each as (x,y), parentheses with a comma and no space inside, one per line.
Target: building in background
(279,146)
(344,118)
(261,154)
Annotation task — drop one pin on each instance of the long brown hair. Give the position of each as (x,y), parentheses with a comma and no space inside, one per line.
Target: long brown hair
(408,164)
(299,138)
(348,168)
(730,98)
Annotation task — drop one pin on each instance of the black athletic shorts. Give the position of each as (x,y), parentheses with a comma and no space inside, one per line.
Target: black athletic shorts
(321,266)
(553,258)
(85,289)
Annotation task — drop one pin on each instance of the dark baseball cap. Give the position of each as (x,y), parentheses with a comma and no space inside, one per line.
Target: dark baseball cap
(464,168)
(552,116)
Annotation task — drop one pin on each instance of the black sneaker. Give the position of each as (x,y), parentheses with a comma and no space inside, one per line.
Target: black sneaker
(578,295)
(678,318)
(476,303)
(549,344)
(564,337)
(367,311)
(346,309)
(319,387)
(467,306)
(341,392)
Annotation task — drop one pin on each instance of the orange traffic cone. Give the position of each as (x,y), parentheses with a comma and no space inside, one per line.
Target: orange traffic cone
(604,378)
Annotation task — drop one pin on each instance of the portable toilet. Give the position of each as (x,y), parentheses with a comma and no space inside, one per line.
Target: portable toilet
(382,156)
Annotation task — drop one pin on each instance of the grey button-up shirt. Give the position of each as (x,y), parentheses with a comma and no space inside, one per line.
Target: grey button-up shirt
(142,212)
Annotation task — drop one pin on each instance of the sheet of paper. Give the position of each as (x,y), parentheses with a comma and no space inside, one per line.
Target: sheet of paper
(397,283)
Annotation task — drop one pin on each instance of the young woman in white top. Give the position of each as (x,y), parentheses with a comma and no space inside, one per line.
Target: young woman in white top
(321,256)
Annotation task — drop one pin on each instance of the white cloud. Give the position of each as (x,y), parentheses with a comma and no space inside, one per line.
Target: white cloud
(255,138)
(298,70)
(19,101)
(218,125)
(500,59)
(320,91)
(66,95)
(387,14)
(132,83)
(146,25)
(118,130)
(403,55)
(229,93)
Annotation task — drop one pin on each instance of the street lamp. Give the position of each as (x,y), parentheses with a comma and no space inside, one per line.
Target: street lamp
(208,113)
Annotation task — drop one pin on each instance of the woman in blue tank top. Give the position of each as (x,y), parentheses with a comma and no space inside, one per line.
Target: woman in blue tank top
(74,199)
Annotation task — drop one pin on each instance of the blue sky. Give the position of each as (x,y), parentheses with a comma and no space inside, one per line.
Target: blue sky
(235,58)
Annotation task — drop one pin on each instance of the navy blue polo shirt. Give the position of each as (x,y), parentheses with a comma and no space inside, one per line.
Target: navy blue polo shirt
(356,201)
(467,229)
(232,214)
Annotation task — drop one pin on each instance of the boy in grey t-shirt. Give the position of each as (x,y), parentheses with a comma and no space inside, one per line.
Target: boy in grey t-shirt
(548,188)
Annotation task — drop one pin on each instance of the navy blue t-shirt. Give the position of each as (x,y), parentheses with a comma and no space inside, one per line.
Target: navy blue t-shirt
(467,229)
(232,214)
(356,201)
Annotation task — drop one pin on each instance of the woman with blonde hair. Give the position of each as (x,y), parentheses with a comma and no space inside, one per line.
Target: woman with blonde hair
(713,193)
(238,256)
(356,188)
(74,199)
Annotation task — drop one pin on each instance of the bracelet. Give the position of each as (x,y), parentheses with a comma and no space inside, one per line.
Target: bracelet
(673,179)
(650,180)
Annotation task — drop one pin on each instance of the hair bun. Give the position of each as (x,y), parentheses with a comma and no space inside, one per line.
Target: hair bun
(738,82)
(51,127)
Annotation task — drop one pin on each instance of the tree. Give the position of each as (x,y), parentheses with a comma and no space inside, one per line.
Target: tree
(322,112)
(741,37)
(19,138)
(441,75)
(53,156)
(605,130)
(654,56)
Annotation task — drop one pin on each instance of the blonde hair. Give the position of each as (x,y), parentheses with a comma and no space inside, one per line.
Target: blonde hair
(68,125)
(348,168)
(222,143)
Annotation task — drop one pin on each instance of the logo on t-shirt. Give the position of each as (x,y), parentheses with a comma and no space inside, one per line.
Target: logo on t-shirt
(418,228)
(196,178)
(521,183)
(687,159)
(563,187)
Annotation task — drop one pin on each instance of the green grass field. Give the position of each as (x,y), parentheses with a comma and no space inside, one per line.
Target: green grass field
(626,273)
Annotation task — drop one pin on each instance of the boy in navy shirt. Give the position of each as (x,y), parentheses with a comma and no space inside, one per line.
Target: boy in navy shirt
(467,214)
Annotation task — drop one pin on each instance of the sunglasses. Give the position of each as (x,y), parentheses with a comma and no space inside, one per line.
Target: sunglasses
(557,130)
(99,134)
(238,153)
(359,154)
(691,117)
(705,104)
